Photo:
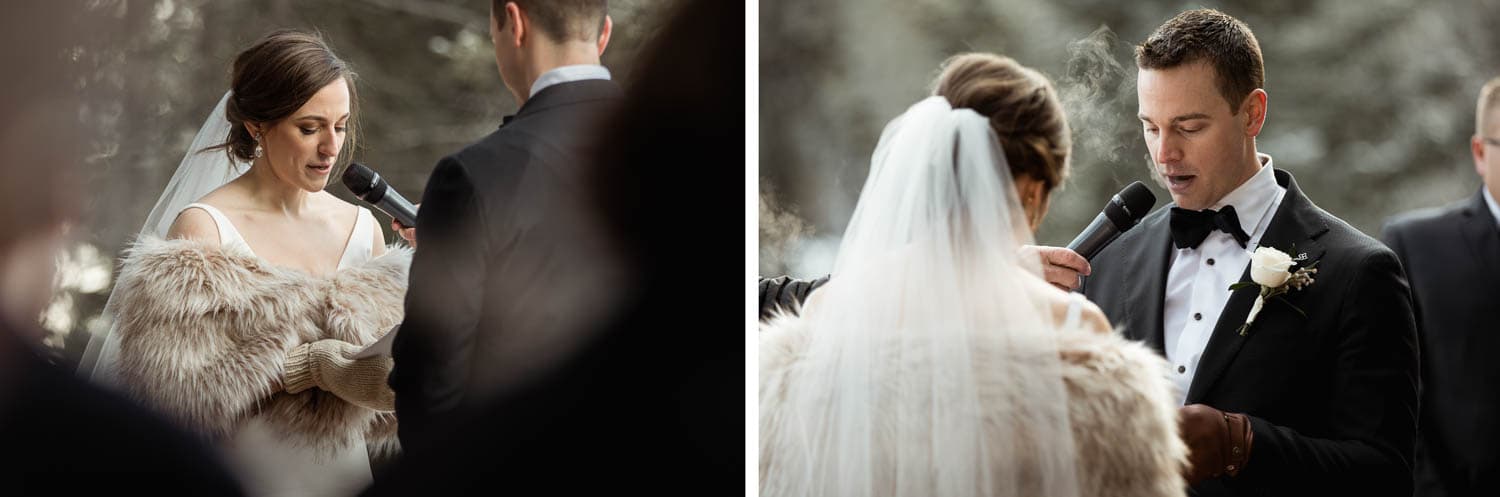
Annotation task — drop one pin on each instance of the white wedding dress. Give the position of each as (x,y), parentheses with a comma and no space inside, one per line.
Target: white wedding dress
(267,464)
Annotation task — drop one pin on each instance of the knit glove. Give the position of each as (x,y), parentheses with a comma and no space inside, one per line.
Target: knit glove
(327,364)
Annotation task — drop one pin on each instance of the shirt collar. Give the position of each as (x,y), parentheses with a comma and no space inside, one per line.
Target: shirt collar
(1253,199)
(568,74)
(1494,207)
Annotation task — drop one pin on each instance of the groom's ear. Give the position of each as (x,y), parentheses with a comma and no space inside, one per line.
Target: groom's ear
(1476,148)
(1255,108)
(609,25)
(517,24)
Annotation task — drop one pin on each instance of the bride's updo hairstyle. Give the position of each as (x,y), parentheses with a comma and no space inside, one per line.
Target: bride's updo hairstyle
(275,77)
(1022,107)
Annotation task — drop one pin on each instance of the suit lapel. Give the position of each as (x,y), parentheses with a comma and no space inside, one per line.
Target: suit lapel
(1294,229)
(1148,259)
(1482,236)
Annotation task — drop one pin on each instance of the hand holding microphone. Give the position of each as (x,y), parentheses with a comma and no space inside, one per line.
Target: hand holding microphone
(1062,267)
(408,234)
(1121,213)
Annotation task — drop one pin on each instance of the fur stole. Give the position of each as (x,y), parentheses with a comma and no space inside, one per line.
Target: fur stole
(1121,407)
(204,332)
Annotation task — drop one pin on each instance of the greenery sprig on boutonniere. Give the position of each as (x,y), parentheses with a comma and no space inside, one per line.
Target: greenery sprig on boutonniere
(1270,269)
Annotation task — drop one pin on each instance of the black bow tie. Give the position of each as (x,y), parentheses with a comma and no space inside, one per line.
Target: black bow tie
(1189,228)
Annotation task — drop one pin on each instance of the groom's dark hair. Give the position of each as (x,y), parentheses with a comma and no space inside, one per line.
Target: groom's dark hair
(1214,37)
(561,20)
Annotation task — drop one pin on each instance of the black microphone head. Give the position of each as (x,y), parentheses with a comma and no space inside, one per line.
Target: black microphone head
(1129,206)
(361,179)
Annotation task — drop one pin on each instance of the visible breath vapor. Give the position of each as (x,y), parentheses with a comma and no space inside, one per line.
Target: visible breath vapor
(1094,94)
(781,230)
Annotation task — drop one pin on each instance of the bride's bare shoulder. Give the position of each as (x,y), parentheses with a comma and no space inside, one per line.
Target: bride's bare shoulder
(1058,302)
(195,224)
(198,224)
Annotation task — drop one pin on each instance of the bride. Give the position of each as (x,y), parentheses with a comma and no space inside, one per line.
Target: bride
(937,361)
(241,307)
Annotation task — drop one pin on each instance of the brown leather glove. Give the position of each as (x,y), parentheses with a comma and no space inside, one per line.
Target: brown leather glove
(1218,442)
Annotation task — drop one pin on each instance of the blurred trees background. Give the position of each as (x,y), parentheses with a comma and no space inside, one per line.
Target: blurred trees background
(1371,101)
(150,71)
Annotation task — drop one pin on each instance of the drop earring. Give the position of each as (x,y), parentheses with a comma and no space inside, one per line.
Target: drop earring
(258,150)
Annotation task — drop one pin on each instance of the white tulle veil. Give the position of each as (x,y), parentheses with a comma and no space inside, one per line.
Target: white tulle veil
(930,369)
(200,172)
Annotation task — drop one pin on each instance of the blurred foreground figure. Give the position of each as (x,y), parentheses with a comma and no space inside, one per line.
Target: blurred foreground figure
(653,400)
(1452,255)
(65,437)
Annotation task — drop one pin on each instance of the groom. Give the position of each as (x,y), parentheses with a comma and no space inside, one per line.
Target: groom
(1316,396)
(478,312)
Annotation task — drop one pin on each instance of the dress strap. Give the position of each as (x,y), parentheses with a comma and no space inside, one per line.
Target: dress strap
(1074,317)
(228,235)
(359,247)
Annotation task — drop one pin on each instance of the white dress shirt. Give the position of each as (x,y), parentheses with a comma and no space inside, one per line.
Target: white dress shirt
(1494,207)
(566,74)
(1199,278)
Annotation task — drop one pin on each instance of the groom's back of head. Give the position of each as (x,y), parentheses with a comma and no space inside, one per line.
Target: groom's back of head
(1208,35)
(560,20)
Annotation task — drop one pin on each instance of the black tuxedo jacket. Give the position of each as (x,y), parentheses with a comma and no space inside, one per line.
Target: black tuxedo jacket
(1332,395)
(1453,258)
(491,240)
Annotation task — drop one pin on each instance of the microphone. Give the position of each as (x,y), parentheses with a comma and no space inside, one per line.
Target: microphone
(1121,213)
(368,186)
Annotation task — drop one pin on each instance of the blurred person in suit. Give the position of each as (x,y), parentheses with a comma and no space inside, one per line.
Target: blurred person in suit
(1452,256)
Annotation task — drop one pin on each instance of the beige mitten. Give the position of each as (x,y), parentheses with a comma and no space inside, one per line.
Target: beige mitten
(326,364)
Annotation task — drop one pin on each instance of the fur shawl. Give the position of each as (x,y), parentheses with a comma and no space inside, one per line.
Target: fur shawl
(1121,408)
(204,332)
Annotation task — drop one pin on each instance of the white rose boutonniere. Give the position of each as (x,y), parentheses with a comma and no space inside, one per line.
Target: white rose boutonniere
(1270,269)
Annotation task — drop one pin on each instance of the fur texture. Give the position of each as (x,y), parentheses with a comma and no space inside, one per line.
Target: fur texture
(1121,407)
(204,332)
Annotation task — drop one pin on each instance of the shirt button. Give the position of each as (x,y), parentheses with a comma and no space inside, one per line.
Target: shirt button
(1181,369)
(1210,262)
(1197,316)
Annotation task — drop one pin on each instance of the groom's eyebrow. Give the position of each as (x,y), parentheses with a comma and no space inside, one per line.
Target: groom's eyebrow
(1176,119)
(1187,117)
